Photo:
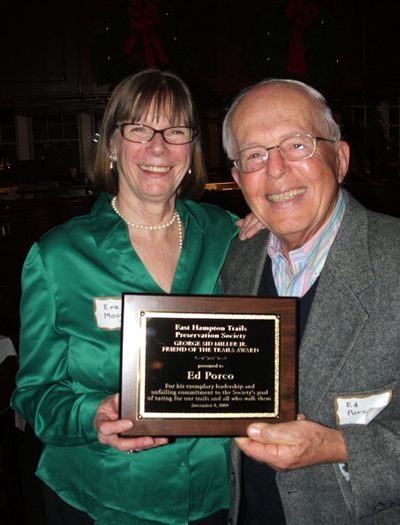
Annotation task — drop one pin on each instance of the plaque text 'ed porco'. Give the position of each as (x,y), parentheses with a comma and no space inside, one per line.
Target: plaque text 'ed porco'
(206,365)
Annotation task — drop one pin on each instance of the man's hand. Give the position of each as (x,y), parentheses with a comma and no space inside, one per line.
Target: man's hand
(297,444)
(108,426)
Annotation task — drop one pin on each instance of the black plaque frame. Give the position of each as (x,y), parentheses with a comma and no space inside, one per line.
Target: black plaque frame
(181,357)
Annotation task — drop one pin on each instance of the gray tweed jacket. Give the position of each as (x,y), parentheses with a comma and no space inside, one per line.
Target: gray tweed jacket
(351,346)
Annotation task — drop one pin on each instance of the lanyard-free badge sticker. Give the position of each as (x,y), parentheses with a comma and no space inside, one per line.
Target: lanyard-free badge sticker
(108,312)
(360,409)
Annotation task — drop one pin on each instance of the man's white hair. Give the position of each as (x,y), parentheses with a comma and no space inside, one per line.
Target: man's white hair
(329,127)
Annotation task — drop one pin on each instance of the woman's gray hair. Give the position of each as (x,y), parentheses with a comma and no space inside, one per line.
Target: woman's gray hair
(328,125)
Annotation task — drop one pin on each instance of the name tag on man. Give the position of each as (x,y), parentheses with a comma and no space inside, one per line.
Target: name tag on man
(361,410)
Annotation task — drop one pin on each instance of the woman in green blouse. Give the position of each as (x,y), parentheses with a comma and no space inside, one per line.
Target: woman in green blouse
(142,236)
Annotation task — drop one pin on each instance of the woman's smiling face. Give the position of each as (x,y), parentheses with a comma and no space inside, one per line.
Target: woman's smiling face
(155,170)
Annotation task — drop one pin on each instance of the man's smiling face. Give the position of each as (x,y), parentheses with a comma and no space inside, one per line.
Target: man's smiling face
(292,198)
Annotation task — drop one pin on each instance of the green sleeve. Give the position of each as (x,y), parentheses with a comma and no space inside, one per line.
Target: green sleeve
(235,228)
(45,394)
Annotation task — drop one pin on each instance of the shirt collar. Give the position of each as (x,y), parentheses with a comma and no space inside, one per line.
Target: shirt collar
(105,221)
(322,238)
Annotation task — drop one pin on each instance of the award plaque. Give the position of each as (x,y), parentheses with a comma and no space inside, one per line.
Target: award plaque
(206,365)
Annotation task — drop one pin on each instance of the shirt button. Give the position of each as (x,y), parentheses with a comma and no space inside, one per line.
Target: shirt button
(183,467)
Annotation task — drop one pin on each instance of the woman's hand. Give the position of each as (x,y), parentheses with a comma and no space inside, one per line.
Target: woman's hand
(249,226)
(108,426)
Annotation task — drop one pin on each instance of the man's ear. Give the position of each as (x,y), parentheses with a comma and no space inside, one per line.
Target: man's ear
(343,153)
(236,177)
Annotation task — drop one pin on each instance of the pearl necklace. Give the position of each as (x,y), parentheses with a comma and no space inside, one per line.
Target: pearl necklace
(149,228)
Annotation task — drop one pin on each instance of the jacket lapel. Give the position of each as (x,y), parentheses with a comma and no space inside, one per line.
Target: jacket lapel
(337,314)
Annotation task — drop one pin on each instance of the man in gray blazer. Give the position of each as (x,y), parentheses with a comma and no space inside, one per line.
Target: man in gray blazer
(339,462)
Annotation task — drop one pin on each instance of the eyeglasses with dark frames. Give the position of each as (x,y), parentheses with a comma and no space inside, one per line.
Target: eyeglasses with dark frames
(300,146)
(142,134)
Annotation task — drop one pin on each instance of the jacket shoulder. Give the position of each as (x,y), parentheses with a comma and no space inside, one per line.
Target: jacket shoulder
(244,264)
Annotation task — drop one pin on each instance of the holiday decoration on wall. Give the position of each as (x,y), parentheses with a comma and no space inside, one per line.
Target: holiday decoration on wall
(130,35)
(303,15)
(303,39)
(143,18)
(300,39)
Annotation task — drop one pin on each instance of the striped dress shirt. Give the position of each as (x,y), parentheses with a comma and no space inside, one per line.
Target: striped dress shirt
(308,261)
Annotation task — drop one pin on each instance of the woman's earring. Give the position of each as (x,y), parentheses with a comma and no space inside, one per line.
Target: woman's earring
(112,160)
(190,171)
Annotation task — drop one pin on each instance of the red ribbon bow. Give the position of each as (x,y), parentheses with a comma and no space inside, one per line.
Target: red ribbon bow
(302,18)
(142,21)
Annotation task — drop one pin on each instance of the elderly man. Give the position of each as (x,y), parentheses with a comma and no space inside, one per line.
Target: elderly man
(338,463)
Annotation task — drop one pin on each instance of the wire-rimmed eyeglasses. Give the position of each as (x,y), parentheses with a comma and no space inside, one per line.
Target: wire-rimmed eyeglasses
(296,147)
(142,134)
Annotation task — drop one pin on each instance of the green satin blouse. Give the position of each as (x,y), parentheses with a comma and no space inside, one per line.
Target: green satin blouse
(68,364)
